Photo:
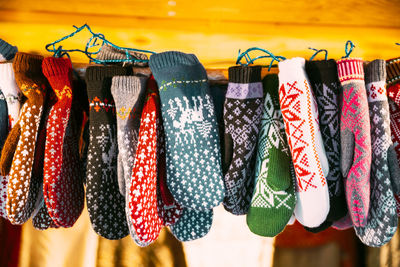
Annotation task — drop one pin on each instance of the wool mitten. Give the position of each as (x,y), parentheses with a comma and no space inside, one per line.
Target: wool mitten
(143,187)
(7,51)
(382,218)
(194,174)
(301,118)
(104,201)
(393,89)
(192,225)
(242,114)
(22,192)
(326,86)
(273,199)
(355,138)
(128,93)
(110,53)
(62,186)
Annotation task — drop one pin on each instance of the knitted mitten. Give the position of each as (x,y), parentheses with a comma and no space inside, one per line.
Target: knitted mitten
(273,200)
(143,204)
(194,174)
(355,138)
(22,192)
(128,93)
(62,186)
(301,118)
(382,218)
(242,114)
(104,201)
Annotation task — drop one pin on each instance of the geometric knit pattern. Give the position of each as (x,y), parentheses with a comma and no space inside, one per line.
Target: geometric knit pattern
(355,139)
(193,159)
(300,114)
(308,177)
(277,203)
(189,173)
(103,197)
(382,218)
(20,190)
(62,185)
(242,114)
(326,87)
(143,189)
(328,107)
(192,224)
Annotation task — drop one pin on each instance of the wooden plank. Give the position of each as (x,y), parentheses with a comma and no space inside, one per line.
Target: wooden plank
(368,13)
(215,50)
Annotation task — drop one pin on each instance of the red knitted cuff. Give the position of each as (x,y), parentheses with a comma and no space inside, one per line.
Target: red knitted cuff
(350,69)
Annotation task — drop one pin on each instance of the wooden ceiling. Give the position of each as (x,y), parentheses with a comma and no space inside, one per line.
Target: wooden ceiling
(213,30)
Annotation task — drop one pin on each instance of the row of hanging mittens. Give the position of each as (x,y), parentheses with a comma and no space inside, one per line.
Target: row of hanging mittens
(154,154)
(331,120)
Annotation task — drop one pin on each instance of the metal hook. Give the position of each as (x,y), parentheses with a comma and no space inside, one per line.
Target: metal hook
(317,51)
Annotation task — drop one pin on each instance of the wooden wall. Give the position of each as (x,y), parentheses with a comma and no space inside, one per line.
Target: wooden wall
(213,30)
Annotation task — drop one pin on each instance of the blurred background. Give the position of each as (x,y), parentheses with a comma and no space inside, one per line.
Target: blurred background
(214,31)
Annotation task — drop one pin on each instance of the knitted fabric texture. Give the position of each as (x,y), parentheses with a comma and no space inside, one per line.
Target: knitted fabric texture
(7,51)
(301,118)
(143,204)
(393,89)
(194,173)
(242,115)
(192,225)
(128,93)
(169,210)
(273,199)
(41,219)
(21,193)
(326,86)
(111,53)
(106,206)
(382,218)
(355,136)
(62,186)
